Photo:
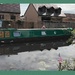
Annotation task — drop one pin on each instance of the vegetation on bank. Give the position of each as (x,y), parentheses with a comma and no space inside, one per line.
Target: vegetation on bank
(68,65)
(73,31)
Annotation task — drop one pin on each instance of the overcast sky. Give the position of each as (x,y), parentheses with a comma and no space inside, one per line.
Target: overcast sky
(67,8)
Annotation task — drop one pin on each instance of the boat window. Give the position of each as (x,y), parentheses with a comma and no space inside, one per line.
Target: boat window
(54,32)
(1,34)
(7,34)
(43,33)
(17,34)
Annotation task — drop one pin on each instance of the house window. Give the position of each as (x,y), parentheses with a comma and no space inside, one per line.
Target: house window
(45,18)
(0,23)
(13,17)
(1,16)
(31,24)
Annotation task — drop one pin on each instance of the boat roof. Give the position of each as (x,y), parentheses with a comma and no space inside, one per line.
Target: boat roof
(38,29)
(46,29)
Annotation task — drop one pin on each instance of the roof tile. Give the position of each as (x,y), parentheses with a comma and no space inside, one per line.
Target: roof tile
(10,8)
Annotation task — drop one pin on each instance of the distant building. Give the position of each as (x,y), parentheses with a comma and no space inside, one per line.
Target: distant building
(9,14)
(38,15)
(69,17)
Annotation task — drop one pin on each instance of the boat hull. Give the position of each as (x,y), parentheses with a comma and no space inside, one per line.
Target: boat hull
(9,49)
(13,41)
(35,39)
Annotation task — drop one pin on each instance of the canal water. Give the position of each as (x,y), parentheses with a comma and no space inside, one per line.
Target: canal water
(37,60)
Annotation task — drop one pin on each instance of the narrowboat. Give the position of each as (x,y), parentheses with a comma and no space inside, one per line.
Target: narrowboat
(11,35)
(21,40)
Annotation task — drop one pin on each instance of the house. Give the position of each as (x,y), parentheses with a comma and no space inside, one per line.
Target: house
(38,15)
(9,15)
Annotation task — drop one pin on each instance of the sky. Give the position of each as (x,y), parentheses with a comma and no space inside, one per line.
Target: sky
(23,8)
(67,8)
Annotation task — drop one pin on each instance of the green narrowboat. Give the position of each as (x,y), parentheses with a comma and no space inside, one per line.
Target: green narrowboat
(11,35)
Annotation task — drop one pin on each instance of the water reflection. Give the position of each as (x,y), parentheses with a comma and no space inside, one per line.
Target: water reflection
(36,60)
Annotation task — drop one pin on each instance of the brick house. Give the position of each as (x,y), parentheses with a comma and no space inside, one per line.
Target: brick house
(9,15)
(33,19)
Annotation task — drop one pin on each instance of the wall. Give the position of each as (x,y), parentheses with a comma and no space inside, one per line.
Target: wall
(31,14)
(50,25)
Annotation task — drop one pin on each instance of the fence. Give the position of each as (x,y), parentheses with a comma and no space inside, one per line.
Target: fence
(49,24)
(39,24)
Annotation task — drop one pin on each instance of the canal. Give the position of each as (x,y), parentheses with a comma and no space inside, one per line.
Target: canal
(36,60)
